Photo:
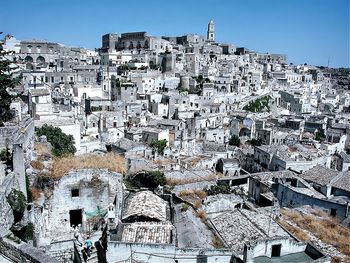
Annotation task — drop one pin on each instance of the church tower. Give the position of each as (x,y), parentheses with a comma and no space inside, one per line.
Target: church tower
(211,31)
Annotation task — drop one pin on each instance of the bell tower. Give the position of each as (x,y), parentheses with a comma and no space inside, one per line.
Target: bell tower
(211,31)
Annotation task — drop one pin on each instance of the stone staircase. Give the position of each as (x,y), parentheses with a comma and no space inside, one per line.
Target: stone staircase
(92,258)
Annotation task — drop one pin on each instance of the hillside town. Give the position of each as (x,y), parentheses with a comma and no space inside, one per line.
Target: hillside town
(171,149)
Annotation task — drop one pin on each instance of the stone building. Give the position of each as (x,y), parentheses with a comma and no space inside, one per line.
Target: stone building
(74,198)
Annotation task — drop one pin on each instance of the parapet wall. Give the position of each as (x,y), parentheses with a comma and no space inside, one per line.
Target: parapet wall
(24,253)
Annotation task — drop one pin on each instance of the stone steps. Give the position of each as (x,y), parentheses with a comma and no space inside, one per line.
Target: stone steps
(93,257)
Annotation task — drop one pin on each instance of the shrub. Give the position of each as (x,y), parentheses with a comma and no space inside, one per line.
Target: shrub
(234,140)
(29,232)
(62,144)
(159,145)
(17,201)
(29,193)
(4,155)
(258,105)
(157,177)
(256,142)
(184,207)
(7,82)
(320,136)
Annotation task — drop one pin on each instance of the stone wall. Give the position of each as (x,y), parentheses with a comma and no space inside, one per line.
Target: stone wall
(6,214)
(96,188)
(261,248)
(159,253)
(290,198)
(23,253)
(62,251)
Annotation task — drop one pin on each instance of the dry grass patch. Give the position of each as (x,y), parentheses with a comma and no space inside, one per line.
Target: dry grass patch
(64,165)
(194,197)
(174,182)
(300,234)
(36,193)
(202,215)
(42,148)
(327,229)
(216,242)
(164,161)
(38,165)
(193,193)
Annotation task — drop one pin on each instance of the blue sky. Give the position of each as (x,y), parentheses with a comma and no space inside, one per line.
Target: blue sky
(307,31)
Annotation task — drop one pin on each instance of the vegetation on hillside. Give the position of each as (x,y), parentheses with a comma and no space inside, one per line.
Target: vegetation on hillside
(62,144)
(234,140)
(256,142)
(199,86)
(320,136)
(328,229)
(64,165)
(148,179)
(258,105)
(7,82)
(159,145)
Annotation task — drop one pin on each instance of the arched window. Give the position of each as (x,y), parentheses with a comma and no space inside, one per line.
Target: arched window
(40,59)
(28,59)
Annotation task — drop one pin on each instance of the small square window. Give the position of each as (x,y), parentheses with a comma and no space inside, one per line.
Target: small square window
(75,192)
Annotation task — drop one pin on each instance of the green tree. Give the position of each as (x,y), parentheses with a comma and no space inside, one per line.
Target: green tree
(234,140)
(159,145)
(258,105)
(320,136)
(62,144)
(7,82)
(157,177)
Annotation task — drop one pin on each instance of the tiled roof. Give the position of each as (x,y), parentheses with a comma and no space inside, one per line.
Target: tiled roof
(319,174)
(145,204)
(147,232)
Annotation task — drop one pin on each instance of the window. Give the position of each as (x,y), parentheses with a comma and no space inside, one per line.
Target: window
(75,192)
